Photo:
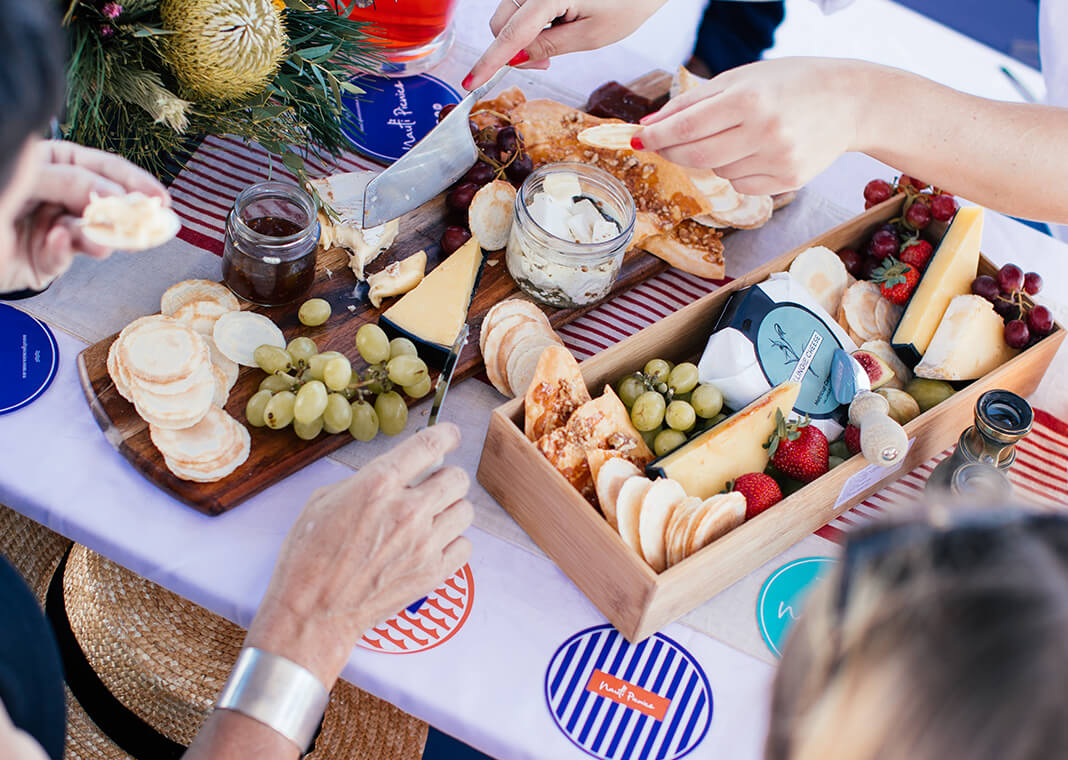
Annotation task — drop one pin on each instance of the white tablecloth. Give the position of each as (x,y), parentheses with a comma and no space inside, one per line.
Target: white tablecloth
(486,685)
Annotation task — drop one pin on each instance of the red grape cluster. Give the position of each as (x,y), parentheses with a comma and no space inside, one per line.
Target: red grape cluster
(500,156)
(923,203)
(1010,290)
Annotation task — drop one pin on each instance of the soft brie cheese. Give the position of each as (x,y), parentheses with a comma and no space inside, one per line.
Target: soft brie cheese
(343,193)
(949,274)
(396,279)
(436,310)
(969,342)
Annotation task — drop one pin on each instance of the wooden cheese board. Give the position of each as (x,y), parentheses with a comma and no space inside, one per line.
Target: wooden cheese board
(277,454)
(639,601)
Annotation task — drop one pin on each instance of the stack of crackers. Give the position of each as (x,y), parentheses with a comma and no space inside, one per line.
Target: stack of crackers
(513,335)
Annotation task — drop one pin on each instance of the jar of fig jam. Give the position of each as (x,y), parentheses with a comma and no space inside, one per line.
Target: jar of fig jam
(271,237)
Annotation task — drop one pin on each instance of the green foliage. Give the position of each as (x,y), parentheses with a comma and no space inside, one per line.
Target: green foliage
(122,98)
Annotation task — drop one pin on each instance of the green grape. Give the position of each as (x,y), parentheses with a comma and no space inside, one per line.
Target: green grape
(372,343)
(255,406)
(649,436)
(317,364)
(630,387)
(657,370)
(406,370)
(648,411)
(680,416)
(392,412)
(276,383)
(707,401)
(338,414)
(420,389)
(839,449)
(683,378)
(667,441)
(302,348)
(313,312)
(682,397)
(279,410)
(718,418)
(833,462)
(402,347)
(272,359)
(310,402)
(364,424)
(337,373)
(308,431)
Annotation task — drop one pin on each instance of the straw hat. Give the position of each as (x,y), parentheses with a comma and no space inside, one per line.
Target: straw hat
(31,548)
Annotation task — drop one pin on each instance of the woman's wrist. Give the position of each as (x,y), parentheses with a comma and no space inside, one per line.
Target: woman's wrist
(307,642)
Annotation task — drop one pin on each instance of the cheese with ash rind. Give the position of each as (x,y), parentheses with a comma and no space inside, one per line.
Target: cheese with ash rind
(949,274)
(969,342)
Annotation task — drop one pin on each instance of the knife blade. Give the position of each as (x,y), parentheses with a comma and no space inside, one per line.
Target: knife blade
(436,161)
(445,378)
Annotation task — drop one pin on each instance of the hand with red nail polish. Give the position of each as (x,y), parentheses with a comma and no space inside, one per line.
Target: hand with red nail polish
(524,37)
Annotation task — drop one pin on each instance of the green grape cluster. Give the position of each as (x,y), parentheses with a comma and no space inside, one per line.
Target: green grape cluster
(321,392)
(667,403)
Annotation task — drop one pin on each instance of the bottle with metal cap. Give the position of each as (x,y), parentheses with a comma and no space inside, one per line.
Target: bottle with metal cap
(1001,419)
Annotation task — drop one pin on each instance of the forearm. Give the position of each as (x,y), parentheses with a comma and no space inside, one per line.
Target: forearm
(228,735)
(1009,157)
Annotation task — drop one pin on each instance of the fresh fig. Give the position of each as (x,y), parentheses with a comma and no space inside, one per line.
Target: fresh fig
(882,349)
(929,393)
(879,372)
(903,407)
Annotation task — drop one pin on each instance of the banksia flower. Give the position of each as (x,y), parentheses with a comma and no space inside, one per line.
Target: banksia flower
(223,49)
(111,10)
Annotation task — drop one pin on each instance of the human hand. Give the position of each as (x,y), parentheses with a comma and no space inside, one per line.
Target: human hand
(59,179)
(522,38)
(769,127)
(363,549)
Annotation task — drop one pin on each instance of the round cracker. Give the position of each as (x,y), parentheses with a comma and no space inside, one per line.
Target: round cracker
(490,214)
(238,334)
(113,370)
(175,412)
(187,291)
(721,514)
(200,375)
(206,442)
(657,504)
(754,211)
(677,526)
(201,315)
(222,387)
(199,475)
(628,510)
(511,340)
(131,222)
(522,363)
(162,352)
(612,136)
(229,367)
(504,309)
(493,356)
(611,477)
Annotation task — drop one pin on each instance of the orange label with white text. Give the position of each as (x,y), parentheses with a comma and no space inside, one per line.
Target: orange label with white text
(628,695)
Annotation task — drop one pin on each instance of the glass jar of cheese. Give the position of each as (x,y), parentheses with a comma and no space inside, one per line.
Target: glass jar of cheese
(572,226)
(271,237)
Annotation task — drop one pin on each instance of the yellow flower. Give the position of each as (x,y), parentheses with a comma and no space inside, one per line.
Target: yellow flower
(279,5)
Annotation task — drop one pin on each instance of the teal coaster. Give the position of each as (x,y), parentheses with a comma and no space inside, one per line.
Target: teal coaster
(783,595)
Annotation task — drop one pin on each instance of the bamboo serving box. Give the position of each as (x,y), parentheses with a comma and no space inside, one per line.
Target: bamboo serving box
(633,597)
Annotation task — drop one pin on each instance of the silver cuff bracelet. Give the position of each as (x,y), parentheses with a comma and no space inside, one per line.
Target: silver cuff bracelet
(277,692)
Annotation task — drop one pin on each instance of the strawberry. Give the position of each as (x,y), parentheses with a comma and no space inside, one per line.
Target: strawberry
(896,280)
(760,492)
(852,439)
(798,449)
(916,253)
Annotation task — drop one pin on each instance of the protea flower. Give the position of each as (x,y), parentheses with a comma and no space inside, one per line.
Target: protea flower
(223,49)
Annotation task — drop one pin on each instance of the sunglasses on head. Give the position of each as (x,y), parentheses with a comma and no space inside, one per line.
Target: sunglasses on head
(960,547)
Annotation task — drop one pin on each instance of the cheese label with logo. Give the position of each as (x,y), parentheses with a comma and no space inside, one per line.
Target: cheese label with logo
(949,274)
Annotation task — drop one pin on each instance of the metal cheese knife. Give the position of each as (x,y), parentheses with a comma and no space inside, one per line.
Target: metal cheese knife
(445,378)
(436,161)
(882,440)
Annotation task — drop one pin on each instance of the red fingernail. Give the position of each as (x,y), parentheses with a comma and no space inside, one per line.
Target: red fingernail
(636,143)
(521,57)
(466,84)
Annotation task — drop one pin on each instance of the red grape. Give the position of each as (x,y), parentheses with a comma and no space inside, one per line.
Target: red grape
(454,237)
(520,169)
(884,243)
(906,180)
(877,191)
(1016,334)
(1032,283)
(1040,321)
(445,111)
(868,265)
(1010,278)
(918,215)
(459,197)
(986,286)
(943,207)
(1007,308)
(852,261)
(479,174)
(507,140)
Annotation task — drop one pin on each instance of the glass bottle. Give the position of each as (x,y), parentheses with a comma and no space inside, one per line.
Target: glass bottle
(1001,419)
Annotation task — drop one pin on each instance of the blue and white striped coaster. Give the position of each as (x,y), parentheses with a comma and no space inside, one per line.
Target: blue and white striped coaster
(614,700)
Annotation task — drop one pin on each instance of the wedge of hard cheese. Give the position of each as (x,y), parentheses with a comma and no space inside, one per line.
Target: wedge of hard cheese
(432,314)
(969,342)
(949,274)
(734,447)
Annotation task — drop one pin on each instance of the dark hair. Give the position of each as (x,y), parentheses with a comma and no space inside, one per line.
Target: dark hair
(32,80)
